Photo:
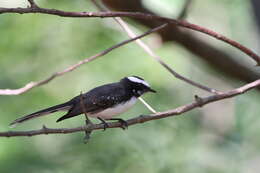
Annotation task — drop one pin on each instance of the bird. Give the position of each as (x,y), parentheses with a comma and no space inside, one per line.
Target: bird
(103,102)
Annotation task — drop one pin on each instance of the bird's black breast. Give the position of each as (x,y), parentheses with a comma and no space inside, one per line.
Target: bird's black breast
(100,98)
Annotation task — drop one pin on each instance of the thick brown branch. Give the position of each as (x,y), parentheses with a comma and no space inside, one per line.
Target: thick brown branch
(31,85)
(137,15)
(139,119)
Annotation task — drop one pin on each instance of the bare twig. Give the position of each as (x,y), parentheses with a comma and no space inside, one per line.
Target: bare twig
(148,50)
(140,119)
(147,105)
(31,85)
(138,15)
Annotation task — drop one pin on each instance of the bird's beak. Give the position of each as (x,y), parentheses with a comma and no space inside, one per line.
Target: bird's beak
(151,90)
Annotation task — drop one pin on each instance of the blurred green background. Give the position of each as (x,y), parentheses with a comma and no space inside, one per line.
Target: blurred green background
(222,137)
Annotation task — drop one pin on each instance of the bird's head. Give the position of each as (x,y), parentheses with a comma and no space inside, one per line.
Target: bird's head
(137,85)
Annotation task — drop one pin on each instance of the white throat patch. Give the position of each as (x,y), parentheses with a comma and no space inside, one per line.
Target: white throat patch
(137,80)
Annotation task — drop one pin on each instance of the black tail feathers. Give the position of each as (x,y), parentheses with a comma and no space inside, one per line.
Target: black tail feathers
(60,107)
(62,118)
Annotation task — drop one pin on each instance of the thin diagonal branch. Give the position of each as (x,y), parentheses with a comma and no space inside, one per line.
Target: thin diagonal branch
(32,85)
(160,61)
(150,52)
(140,119)
(137,15)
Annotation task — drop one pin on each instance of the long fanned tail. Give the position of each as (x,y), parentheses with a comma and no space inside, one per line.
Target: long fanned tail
(60,107)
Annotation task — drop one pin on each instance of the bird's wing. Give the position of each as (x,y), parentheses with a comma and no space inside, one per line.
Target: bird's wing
(97,100)
(104,97)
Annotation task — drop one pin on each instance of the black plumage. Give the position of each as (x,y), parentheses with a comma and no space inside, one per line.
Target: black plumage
(96,100)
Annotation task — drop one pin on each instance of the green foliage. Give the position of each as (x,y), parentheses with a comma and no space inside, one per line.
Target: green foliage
(219,138)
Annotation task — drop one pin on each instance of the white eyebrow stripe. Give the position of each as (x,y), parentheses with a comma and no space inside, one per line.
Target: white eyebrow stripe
(137,80)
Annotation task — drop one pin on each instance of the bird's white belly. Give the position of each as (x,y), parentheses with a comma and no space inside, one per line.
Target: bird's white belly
(116,110)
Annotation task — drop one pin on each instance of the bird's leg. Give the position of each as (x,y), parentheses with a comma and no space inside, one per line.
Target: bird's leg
(87,132)
(124,124)
(87,121)
(104,123)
